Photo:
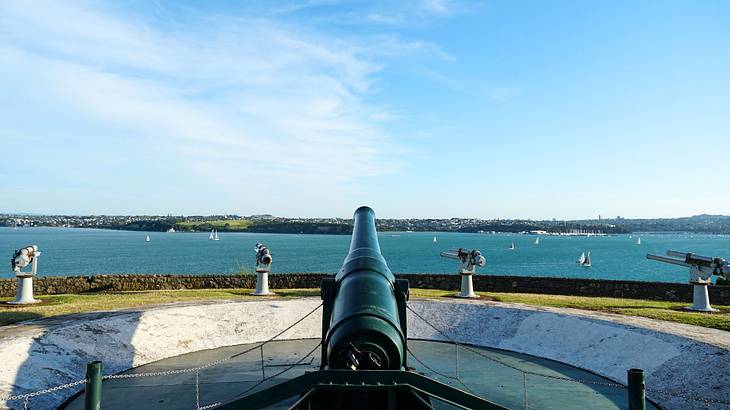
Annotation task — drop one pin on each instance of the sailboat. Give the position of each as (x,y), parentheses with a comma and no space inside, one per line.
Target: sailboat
(434,239)
(147,238)
(512,246)
(537,240)
(638,241)
(214,235)
(587,263)
(584,260)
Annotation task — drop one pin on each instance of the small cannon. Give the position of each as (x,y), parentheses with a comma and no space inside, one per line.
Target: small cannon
(263,267)
(22,258)
(701,270)
(468,262)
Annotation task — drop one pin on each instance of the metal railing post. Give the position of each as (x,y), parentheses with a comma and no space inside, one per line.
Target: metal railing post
(637,389)
(92,394)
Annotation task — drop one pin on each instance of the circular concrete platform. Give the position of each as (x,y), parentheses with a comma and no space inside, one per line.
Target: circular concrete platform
(685,365)
(510,379)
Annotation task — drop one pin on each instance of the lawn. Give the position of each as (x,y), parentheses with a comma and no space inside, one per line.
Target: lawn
(55,305)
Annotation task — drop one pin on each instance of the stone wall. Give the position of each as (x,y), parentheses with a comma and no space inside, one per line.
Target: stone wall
(49,285)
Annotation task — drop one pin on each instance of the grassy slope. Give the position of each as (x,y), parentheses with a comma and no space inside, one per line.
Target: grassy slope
(64,304)
(233,225)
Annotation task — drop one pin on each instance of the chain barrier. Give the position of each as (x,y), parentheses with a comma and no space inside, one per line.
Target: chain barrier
(216,362)
(444,375)
(291,366)
(26,396)
(503,363)
(682,394)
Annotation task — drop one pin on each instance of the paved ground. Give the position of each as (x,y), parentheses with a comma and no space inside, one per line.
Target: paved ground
(482,374)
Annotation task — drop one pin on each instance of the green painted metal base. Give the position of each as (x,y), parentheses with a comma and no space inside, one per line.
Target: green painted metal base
(344,388)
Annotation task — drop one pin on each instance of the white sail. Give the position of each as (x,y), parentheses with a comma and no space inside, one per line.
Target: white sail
(638,241)
(587,261)
(512,246)
(434,239)
(582,258)
(215,236)
(147,238)
(537,240)
(212,234)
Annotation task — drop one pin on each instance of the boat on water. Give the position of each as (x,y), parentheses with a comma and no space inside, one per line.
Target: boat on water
(171,230)
(585,259)
(638,241)
(214,235)
(434,239)
(537,240)
(147,238)
(512,246)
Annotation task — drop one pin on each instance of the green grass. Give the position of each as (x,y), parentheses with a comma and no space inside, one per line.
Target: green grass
(653,309)
(229,225)
(56,305)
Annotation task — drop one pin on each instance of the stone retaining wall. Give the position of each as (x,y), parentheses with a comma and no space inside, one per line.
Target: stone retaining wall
(49,285)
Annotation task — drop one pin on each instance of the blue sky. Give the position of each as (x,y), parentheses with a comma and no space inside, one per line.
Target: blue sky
(524,109)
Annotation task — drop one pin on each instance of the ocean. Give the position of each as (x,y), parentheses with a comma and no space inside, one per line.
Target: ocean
(73,251)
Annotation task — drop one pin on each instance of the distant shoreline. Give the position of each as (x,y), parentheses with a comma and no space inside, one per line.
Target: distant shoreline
(699,224)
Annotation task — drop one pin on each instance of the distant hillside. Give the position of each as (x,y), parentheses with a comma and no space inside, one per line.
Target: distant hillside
(711,224)
(716,224)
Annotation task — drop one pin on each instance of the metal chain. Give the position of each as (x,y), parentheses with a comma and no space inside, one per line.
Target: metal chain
(434,371)
(293,365)
(524,389)
(683,394)
(210,406)
(27,396)
(477,352)
(197,390)
(214,363)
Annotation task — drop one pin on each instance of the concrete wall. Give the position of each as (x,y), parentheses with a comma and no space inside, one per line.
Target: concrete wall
(43,353)
(48,285)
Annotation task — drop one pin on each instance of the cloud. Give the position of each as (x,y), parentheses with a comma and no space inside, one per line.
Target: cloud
(236,97)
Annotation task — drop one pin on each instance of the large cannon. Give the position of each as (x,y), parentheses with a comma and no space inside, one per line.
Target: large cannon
(364,350)
(363,321)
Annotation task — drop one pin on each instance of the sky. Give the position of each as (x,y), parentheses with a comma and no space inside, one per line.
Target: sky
(434,108)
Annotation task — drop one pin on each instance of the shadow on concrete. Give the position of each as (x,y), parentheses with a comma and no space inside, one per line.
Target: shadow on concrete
(59,348)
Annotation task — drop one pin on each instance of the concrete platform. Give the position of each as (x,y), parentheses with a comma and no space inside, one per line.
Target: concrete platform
(486,378)
(680,361)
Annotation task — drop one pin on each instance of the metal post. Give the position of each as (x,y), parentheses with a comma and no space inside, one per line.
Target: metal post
(262,283)
(92,394)
(700,298)
(467,286)
(637,389)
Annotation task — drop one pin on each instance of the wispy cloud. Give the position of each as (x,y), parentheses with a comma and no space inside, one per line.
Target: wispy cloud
(237,97)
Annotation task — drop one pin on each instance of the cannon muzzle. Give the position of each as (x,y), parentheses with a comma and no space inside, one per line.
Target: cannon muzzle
(364,307)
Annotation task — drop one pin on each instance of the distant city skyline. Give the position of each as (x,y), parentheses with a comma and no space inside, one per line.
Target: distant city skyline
(420,109)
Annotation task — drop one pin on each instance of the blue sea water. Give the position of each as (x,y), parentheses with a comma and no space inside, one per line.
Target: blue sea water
(70,251)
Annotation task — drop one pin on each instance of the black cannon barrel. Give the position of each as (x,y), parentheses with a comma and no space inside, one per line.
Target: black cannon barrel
(365,330)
